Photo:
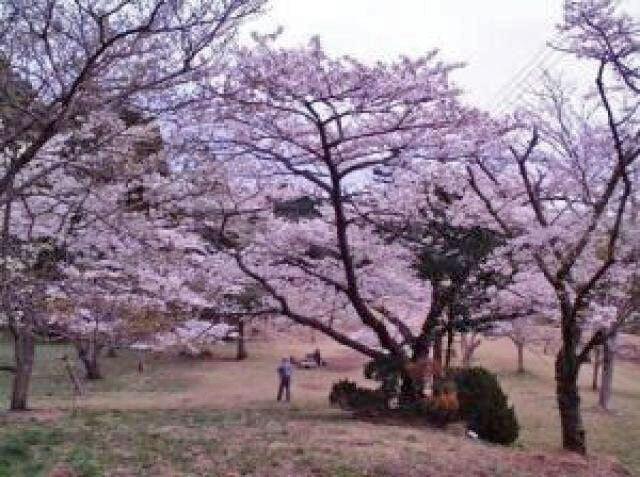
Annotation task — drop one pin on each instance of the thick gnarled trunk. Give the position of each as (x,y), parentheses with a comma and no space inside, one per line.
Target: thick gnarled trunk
(24,354)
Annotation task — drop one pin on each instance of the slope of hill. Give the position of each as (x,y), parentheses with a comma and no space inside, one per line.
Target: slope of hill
(218,417)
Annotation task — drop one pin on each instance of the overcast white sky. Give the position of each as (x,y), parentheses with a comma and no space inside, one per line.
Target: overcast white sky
(496,38)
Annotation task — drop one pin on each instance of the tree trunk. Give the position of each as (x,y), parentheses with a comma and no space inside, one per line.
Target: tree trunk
(241,351)
(573,433)
(596,367)
(24,353)
(520,348)
(436,375)
(88,352)
(608,357)
(77,385)
(92,368)
(437,351)
(412,383)
(469,346)
(547,345)
(447,363)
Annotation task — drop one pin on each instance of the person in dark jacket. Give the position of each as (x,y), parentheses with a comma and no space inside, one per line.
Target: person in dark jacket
(285,370)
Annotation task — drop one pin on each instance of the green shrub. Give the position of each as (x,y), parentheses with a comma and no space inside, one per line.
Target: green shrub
(472,394)
(348,395)
(438,411)
(421,409)
(341,392)
(484,405)
(368,400)
(496,423)
(475,385)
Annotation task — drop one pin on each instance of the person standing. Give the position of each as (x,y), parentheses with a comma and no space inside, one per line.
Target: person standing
(285,370)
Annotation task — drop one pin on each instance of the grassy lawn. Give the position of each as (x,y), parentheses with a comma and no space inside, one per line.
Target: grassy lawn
(218,417)
(51,387)
(265,442)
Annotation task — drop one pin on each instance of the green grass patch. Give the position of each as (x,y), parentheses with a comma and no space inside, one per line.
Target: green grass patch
(187,442)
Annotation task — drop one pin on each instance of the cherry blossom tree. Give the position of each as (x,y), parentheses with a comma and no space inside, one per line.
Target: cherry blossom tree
(564,194)
(65,68)
(309,134)
(64,61)
(111,246)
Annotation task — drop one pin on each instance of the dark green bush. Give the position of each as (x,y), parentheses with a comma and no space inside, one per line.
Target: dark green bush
(341,392)
(471,394)
(420,410)
(348,395)
(475,385)
(484,405)
(495,423)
